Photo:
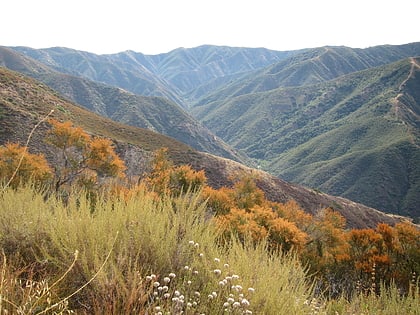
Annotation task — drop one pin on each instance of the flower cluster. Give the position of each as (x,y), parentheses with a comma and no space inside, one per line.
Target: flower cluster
(182,294)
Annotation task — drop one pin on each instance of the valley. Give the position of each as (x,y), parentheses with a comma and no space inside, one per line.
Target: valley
(337,120)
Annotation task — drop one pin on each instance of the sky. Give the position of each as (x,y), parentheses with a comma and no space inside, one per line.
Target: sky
(159,26)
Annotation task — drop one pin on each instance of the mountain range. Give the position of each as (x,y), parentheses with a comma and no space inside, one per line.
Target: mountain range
(25,101)
(340,120)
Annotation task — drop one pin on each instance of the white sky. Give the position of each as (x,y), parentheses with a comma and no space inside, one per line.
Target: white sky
(158,26)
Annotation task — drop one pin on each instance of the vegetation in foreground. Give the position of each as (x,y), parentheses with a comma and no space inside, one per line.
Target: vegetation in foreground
(81,240)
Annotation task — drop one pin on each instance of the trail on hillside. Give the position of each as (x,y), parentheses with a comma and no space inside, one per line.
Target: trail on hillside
(396,101)
(414,65)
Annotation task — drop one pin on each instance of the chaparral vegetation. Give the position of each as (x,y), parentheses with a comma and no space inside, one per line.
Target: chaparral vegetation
(80,237)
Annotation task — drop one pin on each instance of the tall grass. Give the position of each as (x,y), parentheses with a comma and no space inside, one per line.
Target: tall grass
(147,255)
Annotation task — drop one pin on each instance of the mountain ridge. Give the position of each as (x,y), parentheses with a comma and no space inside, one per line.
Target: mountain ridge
(155,113)
(252,104)
(293,127)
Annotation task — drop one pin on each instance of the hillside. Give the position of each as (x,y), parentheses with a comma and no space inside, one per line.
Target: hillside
(356,136)
(24,101)
(170,75)
(307,68)
(338,119)
(154,113)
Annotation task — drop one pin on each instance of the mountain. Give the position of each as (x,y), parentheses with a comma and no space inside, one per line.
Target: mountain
(170,75)
(127,74)
(341,120)
(356,136)
(24,101)
(307,68)
(155,113)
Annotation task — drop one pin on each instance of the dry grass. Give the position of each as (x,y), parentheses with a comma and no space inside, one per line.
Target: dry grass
(148,255)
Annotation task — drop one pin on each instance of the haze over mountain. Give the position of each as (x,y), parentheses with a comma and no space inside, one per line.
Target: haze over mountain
(338,119)
(155,113)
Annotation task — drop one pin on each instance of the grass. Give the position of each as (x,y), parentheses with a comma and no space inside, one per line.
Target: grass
(144,255)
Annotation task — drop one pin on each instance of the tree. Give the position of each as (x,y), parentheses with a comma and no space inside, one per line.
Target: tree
(17,165)
(82,158)
(166,178)
(246,194)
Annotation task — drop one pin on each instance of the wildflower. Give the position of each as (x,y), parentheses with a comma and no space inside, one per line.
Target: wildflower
(214,294)
(167,295)
(236,304)
(186,268)
(196,245)
(226,304)
(165,288)
(191,243)
(251,290)
(235,277)
(201,255)
(197,294)
(221,283)
(217,260)
(226,265)
(177,293)
(245,302)
(210,296)
(156,284)
(166,279)
(217,272)
(230,300)
(172,275)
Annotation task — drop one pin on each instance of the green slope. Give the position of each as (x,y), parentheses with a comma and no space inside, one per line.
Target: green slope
(341,136)
(308,67)
(24,101)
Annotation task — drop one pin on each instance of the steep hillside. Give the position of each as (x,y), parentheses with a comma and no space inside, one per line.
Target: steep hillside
(307,68)
(154,113)
(169,74)
(24,101)
(125,73)
(355,136)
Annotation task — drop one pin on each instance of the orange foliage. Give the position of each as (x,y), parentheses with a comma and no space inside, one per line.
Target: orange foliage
(82,158)
(18,165)
(219,201)
(246,194)
(102,158)
(64,135)
(165,178)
